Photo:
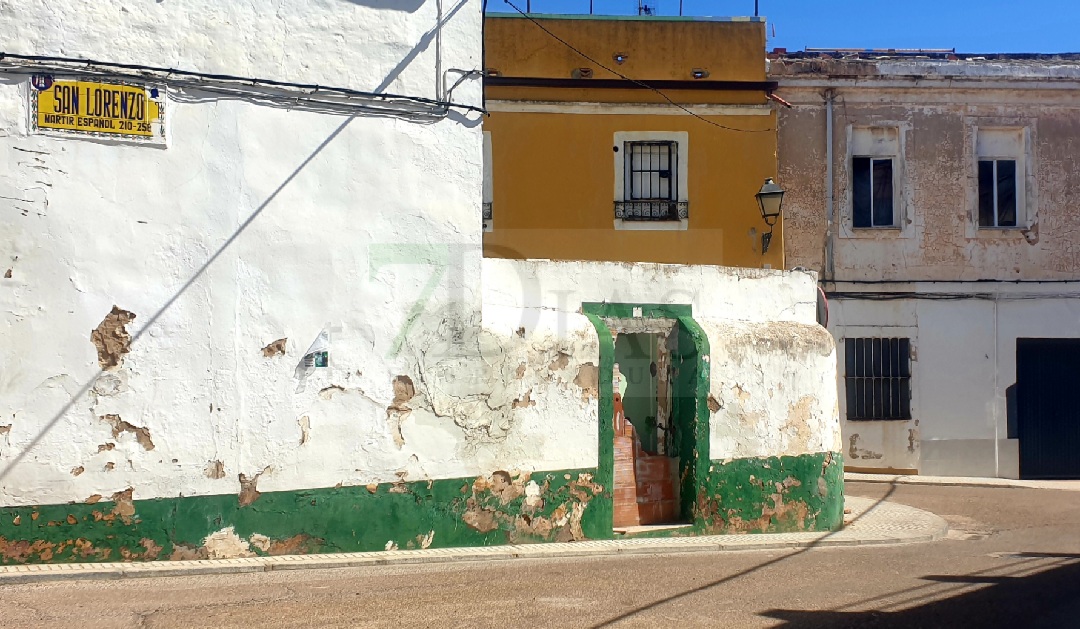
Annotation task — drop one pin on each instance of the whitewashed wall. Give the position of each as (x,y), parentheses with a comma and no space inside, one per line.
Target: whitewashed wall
(714,292)
(256,223)
(964,360)
(772,389)
(773,369)
(358,44)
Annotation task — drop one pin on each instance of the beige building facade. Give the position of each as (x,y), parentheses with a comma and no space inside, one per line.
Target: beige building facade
(936,195)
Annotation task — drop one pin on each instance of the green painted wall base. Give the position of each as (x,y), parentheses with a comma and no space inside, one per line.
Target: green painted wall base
(772,495)
(775,494)
(543,506)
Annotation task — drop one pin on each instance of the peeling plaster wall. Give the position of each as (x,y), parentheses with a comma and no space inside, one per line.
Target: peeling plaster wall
(938,119)
(963,332)
(166,311)
(511,400)
(753,313)
(773,369)
(463,446)
(350,218)
(772,390)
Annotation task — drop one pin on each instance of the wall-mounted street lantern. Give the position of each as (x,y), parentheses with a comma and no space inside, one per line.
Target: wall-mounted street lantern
(769,198)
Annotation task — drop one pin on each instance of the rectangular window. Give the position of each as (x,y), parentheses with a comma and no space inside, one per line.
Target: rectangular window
(997,193)
(651,171)
(650,182)
(872,192)
(878,378)
(1001,160)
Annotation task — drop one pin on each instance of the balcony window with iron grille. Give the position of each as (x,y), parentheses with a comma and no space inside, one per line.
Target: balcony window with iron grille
(651,181)
(878,378)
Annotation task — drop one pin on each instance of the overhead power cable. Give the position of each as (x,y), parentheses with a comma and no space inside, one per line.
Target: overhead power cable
(314,94)
(626,78)
(947,296)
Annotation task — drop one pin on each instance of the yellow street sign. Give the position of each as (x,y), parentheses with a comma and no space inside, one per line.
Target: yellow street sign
(87,107)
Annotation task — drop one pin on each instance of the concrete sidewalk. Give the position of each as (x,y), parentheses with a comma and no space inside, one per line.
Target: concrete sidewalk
(962,481)
(871,523)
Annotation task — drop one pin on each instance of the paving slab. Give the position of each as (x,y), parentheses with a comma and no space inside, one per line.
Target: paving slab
(867,522)
(962,481)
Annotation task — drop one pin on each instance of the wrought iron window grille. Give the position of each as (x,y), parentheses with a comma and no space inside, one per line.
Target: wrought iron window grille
(878,378)
(652,210)
(651,176)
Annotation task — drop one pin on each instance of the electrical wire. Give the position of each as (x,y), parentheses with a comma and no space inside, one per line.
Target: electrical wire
(626,78)
(956,281)
(943,296)
(184,92)
(378,103)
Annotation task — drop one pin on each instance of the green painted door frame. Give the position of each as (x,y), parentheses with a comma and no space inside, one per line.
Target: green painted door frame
(692,364)
(691,367)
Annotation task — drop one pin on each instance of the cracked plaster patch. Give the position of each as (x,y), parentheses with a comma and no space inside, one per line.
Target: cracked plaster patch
(111,338)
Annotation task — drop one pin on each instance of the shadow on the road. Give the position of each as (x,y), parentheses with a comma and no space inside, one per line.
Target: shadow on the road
(1047,598)
(708,586)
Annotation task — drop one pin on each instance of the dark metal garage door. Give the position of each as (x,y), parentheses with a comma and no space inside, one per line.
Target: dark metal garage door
(1048,412)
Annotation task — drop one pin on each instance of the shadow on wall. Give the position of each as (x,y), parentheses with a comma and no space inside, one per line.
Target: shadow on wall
(390,5)
(1011,430)
(425,40)
(1035,590)
(421,46)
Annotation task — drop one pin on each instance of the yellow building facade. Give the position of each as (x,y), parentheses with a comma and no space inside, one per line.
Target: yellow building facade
(631,139)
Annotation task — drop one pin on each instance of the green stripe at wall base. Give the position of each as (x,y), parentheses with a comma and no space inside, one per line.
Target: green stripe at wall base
(772,495)
(501,509)
(775,494)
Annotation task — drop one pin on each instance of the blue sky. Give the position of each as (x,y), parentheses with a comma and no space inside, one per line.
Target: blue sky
(966,25)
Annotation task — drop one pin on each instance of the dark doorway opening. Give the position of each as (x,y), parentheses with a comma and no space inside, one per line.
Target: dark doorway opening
(654,424)
(646,472)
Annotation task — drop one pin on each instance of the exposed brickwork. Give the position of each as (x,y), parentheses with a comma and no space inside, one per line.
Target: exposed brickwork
(644,490)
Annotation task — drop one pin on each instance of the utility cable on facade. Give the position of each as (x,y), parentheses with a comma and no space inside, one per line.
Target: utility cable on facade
(315,96)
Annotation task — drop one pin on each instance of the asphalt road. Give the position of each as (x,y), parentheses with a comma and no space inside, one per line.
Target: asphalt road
(1012,560)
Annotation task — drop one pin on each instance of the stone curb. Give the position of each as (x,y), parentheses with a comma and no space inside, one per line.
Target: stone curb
(875,523)
(963,481)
